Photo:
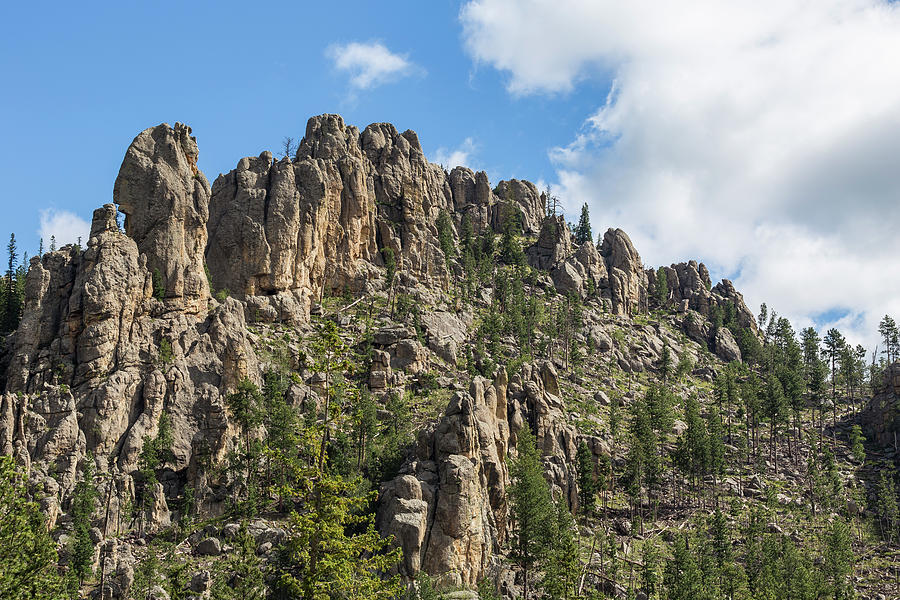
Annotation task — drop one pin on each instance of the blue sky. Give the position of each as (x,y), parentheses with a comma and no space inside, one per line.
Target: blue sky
(86,80)
(761,138)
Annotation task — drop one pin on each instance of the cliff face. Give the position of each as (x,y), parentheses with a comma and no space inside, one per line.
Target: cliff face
(100,354)
(881,416)
(117,334)
(283,232)
(448,508)
(165,200)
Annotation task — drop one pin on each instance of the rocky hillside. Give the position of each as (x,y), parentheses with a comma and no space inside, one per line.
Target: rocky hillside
(422,323)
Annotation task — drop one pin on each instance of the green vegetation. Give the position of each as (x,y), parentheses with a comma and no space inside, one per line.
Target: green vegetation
(159,288)
(12,289)
(582,231)
(27,553)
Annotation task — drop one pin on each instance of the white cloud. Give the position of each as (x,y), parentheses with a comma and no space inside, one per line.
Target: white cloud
(66,226)
(370,64)
(762,138)
(460,156)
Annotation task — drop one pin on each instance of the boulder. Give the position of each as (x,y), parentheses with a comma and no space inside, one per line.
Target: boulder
(726,347)
(209,547)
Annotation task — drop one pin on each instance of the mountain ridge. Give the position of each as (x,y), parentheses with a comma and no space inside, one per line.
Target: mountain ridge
(209,286)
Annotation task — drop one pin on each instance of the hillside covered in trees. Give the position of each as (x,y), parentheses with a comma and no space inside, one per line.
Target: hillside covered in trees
(347,372)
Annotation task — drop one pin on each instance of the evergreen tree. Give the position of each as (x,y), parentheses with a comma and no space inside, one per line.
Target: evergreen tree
(154,453)
(665,363)
(531,508)
(834,342)
(240,576)
(683,579)
(888,330)
(27,552)
(775,406)
(660,404)
(562,564)
(692,454)
(587,485)
(444,226)
(856,443)
(148,574)
(650,576)
(330,357)
(583,229)
(886,506)
(838,565)
(661,287)
(245,404)
(715,443)
(81,509)
(333,549)
(12,300)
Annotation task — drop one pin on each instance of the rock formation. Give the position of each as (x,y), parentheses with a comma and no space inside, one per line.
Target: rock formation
(627,280)
(118,334)
(165,200)
(99,357)
(286,231)
(448,507)
(881,416)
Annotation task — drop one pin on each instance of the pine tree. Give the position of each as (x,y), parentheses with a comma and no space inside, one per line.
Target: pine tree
(692,454)
(715,443)
(154,453)
(562,564)
(333,549)
(888,330)
(775,407)
(27,552)
(683,579)
(444,227)
(82,507)
(886,506)
(661,287)
(240,576)
(665,363)
(245,405)
(531,507)
(650,576)
(12,309)
(856,443)
(147,574)
(838,565)
(660,404)
(834,342)
(587,485)
(583,229)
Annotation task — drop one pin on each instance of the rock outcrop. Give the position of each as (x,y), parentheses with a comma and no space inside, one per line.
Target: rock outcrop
(448,507)
(554,244)
(287,231)
(627,280)
(582,273)
(101,354)
(881,416)
(119,334)
(165,199)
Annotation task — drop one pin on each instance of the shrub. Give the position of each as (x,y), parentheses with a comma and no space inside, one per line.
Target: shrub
(159,290)
(166,356)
